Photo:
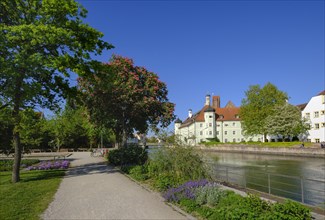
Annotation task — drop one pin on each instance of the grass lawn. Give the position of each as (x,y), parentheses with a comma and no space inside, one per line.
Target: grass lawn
(29,198)
(266,144)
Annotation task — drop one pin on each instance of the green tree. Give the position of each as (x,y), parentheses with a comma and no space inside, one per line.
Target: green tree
(258,104)
(286,121)
(41,43)
(31,132)
(6,127)
(126,98)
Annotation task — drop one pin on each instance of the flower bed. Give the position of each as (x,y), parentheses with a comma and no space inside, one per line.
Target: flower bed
(50,165)
(209,201)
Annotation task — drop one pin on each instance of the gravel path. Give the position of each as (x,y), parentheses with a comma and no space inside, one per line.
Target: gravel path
(92,190)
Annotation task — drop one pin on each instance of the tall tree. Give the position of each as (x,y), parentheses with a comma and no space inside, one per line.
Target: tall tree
(41,43)
(286,122)
(126,97)
(258,104)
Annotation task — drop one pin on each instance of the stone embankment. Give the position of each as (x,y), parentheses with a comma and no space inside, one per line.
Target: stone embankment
(284,151)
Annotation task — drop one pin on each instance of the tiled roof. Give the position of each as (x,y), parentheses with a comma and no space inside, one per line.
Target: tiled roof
(228,114)
(302,106)
(322,93)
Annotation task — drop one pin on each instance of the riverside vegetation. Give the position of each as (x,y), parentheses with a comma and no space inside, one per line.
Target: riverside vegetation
(180,174)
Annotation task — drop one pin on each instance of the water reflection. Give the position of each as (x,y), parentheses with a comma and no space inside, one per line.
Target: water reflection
(269,173)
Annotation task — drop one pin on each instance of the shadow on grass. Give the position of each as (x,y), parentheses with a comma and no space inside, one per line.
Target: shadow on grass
(29,176)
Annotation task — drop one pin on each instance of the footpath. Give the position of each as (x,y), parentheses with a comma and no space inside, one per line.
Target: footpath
(93,190)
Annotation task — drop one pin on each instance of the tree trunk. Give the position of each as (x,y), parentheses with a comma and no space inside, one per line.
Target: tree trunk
(17,159)
(16,136)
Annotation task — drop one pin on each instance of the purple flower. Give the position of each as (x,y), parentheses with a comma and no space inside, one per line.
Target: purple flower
(47,165)
(184,191)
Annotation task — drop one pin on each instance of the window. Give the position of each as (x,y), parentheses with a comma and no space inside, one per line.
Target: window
(322,112)
(316,114)
(226,140)
(316,140)
(201,125)
(234,140)
(316,126)
(307,115)
(210,116)
(210,132)
(218,125)
(226,132)
(220,116)
(210,124)
(236,116)
(226,125)
(323,125)
(201,132)
(234,132)
(234,124)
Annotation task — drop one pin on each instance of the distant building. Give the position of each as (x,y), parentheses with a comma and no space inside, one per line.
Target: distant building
(211,123)
(314,112)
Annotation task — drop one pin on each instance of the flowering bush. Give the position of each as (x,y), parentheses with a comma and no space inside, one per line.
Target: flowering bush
(209,194)
(187,190)
(50,165)
(208,201)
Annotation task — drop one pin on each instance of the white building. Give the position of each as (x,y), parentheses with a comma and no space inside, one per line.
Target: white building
(314,111)
(212,122)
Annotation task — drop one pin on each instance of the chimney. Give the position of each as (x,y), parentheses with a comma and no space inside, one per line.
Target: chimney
(207,100)
(216,101)
(190,113)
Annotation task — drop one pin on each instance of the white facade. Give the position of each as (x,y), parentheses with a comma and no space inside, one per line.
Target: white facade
(212,122)
(315,114)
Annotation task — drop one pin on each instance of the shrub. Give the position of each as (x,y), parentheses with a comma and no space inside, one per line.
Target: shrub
(186,190)
(177,165)
(138,172)
(209,194)
(128,155)
(287,211)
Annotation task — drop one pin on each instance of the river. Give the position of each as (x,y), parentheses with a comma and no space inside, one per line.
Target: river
(298,178)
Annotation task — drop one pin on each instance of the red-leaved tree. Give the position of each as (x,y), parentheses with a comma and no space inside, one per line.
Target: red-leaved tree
(126,98)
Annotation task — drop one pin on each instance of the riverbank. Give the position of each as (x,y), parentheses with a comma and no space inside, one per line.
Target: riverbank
(283,151)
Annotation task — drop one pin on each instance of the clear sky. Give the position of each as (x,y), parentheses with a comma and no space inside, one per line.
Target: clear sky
(218,47)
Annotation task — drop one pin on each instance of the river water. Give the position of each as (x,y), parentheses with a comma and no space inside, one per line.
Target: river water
(297,178)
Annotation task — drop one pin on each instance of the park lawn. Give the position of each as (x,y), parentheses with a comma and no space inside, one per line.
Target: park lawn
(261,144)
(29,198)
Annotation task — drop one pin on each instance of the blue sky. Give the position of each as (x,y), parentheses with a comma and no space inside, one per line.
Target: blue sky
(218,47)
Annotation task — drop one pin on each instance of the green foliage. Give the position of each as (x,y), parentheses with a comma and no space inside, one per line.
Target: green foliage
(30,198)
(137,98)
(6,165)
(176,165)
(258,105)
(131,155)
(288,210)
(229,205)
(6,127)
(189,205)
(138,172)
(286,121)
(41,43)
(209,194)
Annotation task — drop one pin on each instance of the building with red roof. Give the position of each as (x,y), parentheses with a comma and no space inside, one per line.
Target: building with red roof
(213,122)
